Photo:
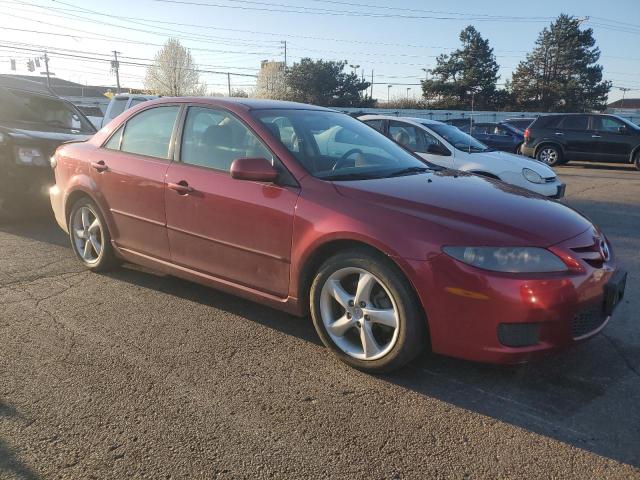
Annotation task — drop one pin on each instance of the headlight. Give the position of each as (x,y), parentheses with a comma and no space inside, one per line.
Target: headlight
(31,156)
(508,259)
(532,176)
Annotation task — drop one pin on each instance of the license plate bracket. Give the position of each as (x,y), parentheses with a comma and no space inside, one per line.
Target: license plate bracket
(614,291)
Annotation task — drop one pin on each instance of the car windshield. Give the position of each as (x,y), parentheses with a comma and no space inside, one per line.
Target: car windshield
(334,146)
(457,138)
(27,107)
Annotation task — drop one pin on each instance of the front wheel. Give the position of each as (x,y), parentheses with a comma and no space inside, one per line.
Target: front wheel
(550,154)
(90,238)
(365,311)
(636,160)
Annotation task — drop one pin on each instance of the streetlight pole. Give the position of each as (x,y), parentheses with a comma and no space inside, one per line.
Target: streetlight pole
(408,88)
(388,92)
(624,91)
(355,69)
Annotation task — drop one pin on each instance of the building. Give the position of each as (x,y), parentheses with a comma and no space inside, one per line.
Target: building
(628,107)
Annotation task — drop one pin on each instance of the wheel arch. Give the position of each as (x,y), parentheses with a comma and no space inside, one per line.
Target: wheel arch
(76,194)
(313,261)
(548,142)
(634,152)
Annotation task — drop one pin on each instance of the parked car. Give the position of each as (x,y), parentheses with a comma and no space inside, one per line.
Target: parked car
(121,102)
(448,146)
(499,136)
(93,113)
(387,253)
(556,139)
(33,123)
(521,123)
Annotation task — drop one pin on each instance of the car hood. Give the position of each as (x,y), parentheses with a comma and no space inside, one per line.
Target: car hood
(514,162)
(465,209)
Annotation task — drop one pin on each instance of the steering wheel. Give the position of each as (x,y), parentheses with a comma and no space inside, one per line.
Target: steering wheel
(345,157)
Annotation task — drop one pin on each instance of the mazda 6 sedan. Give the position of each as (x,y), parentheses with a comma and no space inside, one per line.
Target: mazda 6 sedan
(388,253)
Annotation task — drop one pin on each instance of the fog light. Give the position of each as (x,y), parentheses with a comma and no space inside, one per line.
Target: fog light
(518,334)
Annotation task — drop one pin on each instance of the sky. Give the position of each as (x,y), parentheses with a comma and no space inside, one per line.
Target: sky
(396,40)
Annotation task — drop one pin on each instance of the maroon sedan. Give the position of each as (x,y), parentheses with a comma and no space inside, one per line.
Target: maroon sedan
(308,210)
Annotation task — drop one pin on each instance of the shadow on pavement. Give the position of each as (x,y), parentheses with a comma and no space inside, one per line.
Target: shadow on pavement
(10,466)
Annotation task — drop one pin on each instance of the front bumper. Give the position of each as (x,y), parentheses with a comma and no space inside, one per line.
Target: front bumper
(504,318)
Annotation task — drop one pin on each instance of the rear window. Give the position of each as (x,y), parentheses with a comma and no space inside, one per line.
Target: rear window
(117,107)
(550,121)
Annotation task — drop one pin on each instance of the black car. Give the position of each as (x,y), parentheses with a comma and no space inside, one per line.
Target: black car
(33,123)
(555,139)
(499,136)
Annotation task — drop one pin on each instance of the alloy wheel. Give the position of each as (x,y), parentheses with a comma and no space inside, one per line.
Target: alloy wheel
(86,230)
(359,313)
(549,156)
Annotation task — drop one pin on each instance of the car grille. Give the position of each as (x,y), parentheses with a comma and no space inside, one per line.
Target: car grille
(590,254)
(587,321)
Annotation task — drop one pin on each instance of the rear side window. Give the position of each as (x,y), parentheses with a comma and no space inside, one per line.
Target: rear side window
(547,122)
(149,132)
(575,122)
(376,124)
(114,141)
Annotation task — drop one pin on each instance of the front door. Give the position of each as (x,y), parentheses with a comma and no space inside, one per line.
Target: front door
(235,230)
(130,173)
(613,141)
(421,142)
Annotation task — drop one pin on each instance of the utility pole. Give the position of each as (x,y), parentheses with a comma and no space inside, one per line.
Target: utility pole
(624,91)
(284,45)
(388,93)
(46,69)
(229,82)
(115,66)
(372,84)
(408,88)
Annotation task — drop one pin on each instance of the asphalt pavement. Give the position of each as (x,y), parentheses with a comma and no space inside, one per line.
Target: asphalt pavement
(131,374)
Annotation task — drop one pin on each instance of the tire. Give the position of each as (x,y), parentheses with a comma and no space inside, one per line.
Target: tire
(377,336)
(549,154)
(518,148)
(90,238)
(636,160)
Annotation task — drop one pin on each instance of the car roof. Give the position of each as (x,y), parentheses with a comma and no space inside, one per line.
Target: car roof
(248,103)
(423,121)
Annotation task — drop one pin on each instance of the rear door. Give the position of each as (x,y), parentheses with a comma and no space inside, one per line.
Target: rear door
(578,138)
(501,138)
(130,173)
(236,230)
(613,142)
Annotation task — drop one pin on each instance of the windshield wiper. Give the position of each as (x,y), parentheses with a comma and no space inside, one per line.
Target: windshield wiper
(350,176)
(408,171)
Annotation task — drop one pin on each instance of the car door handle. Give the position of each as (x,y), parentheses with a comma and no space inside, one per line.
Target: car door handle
(100,166)
(181,187)
(596,136)
(559,133)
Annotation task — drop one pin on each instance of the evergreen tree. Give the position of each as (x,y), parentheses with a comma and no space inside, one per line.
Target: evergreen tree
(471,68)
(561,74)
(324,83)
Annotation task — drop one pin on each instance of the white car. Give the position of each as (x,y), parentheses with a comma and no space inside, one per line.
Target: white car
(449,147)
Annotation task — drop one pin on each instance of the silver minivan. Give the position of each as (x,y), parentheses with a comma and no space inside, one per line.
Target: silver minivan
(121,102)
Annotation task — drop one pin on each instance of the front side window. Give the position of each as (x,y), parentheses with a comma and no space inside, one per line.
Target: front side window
(456,137)
(608,124)
(575,122)
(215,138)
(149,132)
(334,146)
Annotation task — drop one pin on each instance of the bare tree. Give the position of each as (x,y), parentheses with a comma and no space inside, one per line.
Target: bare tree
(173,72)
(271,81)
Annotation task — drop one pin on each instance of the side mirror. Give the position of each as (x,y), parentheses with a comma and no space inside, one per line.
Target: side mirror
(255,169)
(437,149)
(622,129)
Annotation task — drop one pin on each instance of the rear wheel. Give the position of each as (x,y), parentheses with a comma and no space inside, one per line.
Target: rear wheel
(550,154)
(365,311)
(636,160)
(518,149)
(90,238)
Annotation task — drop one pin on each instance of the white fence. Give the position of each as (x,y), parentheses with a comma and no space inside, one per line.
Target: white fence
(478,116)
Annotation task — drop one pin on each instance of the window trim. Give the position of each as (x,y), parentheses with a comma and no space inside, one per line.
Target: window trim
(124,124)
(285,178)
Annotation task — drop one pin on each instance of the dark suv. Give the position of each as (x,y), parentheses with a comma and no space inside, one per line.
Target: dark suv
(33,123)
(555,139)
